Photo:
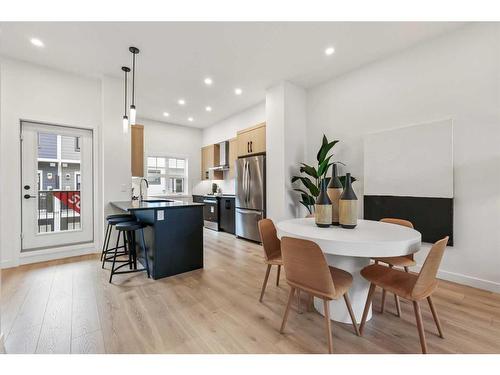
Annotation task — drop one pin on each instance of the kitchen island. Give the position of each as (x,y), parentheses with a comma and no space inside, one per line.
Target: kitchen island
(174,235)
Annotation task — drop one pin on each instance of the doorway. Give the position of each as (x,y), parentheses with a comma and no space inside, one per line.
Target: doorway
(57,186)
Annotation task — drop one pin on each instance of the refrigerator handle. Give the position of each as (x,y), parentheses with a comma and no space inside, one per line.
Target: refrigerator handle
(245,180)
(249,178)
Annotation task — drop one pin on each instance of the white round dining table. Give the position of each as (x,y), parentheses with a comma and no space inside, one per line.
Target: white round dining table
(351,250)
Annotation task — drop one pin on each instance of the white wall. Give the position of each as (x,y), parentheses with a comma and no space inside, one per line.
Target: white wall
(225,130)
(456,76)
(163,139)
(32,92)
(285,148)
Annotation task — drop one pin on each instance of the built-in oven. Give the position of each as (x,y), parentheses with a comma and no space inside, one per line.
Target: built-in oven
(211,213)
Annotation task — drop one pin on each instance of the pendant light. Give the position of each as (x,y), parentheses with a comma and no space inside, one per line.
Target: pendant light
(125,118)
(134,51)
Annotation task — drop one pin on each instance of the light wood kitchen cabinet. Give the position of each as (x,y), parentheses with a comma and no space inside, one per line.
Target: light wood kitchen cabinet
(252,140)
(233,155)
(210,159)
(137,162)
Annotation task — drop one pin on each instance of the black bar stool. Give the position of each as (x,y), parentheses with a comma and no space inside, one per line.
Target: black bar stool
(129,230)
(112,220)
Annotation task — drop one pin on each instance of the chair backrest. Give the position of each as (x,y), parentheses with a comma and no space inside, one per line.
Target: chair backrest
(306,266)
(427,276)
(402,222)
(269,238)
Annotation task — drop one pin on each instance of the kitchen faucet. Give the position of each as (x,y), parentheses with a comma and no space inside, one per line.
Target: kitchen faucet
(140,187)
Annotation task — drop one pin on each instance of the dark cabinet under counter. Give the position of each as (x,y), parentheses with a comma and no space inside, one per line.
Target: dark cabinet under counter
(226,214)
(173,236)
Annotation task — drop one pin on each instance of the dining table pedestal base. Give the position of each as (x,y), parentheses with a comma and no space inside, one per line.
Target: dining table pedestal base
(357,293)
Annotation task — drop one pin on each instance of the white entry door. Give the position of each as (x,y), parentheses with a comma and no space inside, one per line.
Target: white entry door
(56,186)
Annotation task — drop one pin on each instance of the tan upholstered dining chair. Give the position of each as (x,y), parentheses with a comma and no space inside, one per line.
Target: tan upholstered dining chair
(409,286)
(306,269)
(272,250)
(404,261)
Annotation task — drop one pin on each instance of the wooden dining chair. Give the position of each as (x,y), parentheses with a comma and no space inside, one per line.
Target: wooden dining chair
(272,250)
(404,261)
(306,269)
(409,286)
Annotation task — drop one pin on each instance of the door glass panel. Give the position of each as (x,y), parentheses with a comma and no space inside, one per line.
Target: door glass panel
(59,181)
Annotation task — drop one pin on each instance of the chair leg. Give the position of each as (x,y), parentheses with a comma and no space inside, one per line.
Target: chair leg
(398,305)
(326,308)
(367,308)
(104,242)
(287,310)
(310,303)
(278,276)
(114,256)
(351,314)
(265,282)
(435,316)
(383,301)
(298,302)
(420,326)
(145,252)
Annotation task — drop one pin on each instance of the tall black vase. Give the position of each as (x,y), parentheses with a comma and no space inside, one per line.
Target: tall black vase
(323,208)
(348,205)
(334,193)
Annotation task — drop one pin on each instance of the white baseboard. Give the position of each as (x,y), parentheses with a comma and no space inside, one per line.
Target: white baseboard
(2,346)
(466,280)
(59,253)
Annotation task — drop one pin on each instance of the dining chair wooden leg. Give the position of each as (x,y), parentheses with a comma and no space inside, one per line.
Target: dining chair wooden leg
(351,313)
(420,326)
(398,305)
(285,317)
(310,303)
(435,316)
(298,302)
(278,275)
(382,304)
(367,307)
(265,282)
(326,308)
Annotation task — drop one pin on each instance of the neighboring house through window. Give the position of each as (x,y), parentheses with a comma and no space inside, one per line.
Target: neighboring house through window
(167,175)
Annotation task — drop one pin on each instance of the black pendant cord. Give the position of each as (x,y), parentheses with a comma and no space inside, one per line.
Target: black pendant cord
(133,80)
(134,51)
(125,70)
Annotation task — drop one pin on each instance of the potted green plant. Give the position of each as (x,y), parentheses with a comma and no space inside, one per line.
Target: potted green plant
(312,176)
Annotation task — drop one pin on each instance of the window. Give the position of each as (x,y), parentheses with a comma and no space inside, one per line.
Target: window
(167,175)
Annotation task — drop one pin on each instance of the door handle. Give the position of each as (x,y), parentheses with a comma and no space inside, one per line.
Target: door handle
(27,196)
(248,147)
(251,146)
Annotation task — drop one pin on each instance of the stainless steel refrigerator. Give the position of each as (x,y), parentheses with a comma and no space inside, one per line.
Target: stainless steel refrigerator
(250,195)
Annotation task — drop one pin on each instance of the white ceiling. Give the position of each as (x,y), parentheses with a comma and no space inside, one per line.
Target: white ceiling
(176,57)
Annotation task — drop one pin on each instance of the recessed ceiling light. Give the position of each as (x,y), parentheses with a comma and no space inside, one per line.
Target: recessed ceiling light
(181,101)
(166,114)
(238,91)
(208,81)
(208,108)
(37,42)
(329,51)
(190,119)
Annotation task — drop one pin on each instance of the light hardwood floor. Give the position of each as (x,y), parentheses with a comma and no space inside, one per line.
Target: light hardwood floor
(67,306)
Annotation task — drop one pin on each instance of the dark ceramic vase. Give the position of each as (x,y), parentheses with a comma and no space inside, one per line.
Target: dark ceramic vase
(323,208)
(348,205)
(334,192)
